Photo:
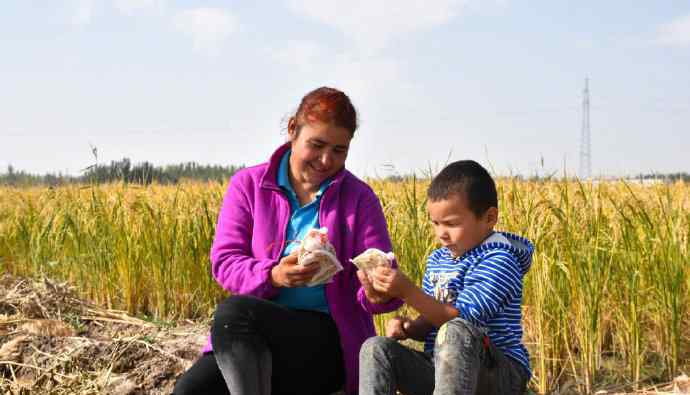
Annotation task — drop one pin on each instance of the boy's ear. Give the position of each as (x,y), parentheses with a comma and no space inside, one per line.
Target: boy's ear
(492,216)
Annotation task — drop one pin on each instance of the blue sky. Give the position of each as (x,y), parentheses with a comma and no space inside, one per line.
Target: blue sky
(497,81)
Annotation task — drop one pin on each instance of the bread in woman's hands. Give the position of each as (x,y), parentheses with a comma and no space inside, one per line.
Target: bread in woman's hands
(315,249)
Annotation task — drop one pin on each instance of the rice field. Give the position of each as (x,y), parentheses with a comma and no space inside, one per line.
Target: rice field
(605,305)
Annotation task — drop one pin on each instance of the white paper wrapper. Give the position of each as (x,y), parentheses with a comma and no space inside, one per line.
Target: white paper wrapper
(371,259)
(315,249)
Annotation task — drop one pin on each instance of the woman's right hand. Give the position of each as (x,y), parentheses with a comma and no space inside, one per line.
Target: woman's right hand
(288,273)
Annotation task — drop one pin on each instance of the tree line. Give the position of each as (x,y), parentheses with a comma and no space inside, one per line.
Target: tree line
(124,170)
(145,173)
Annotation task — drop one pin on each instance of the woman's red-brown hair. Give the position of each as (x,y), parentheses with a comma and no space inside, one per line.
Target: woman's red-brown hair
(326,105)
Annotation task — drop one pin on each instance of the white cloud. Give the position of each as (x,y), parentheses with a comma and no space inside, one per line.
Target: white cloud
(83,12)
(130,7)
(208,27)
(366,79)
(676,32)
(373,24)
(301,54)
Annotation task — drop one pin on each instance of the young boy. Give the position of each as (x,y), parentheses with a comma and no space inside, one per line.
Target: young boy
(469,304)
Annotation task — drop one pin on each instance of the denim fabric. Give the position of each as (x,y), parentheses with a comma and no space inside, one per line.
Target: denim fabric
(463,363)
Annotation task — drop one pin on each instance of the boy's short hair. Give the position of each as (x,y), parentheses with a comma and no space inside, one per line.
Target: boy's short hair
(468,178)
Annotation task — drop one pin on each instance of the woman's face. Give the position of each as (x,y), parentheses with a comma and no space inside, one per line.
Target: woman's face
(319,151)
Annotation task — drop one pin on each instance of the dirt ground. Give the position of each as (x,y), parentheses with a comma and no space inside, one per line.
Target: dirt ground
(52,342)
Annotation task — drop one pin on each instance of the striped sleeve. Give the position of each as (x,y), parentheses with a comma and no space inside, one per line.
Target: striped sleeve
(489,288)
(427,286)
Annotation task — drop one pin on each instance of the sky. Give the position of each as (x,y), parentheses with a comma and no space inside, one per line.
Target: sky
(498,81)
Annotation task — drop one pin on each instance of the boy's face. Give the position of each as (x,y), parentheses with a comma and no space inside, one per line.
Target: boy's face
(456,226)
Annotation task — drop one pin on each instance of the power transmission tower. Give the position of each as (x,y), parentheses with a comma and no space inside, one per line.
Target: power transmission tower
(585,140)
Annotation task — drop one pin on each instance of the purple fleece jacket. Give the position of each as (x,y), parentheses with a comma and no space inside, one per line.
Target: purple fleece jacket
(250,236)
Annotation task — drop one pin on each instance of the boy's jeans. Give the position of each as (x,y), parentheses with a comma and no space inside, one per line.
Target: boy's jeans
(462,364)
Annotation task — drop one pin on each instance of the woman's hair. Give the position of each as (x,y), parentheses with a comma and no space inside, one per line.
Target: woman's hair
(327,105)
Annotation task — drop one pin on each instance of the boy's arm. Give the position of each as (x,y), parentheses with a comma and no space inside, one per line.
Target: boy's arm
(394,283)
(488,289)
(431,311)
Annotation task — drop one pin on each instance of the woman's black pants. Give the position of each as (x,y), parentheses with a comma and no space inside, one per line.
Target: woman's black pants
(263,348)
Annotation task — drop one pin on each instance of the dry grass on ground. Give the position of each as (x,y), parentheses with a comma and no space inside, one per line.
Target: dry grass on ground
(53,342)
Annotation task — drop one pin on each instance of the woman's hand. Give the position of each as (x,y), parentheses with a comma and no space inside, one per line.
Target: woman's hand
(371,294)
(289,274)
(397,327)
(391,282)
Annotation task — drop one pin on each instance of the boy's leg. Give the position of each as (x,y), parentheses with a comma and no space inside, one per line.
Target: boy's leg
(466,364)
(504,375)
(386,366)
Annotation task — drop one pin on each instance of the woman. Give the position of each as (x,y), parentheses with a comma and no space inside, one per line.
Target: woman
(275,335)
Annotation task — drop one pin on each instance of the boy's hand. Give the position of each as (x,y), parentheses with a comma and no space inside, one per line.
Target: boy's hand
(396,328)
(391,282)
(372,295)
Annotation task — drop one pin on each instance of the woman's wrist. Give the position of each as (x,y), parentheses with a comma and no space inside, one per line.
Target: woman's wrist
(274,276)
(376,297)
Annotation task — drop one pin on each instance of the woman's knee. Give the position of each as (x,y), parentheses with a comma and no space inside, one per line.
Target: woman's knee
(236,308)
(375,348)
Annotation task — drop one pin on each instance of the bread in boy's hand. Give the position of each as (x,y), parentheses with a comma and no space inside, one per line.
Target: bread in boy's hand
(315,249)
(371,259)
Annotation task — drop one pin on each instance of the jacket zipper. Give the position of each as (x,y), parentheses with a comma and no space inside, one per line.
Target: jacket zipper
(287,223)
(321,203)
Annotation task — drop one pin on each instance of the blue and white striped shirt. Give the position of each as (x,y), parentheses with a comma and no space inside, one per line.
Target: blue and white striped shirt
(485,285)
